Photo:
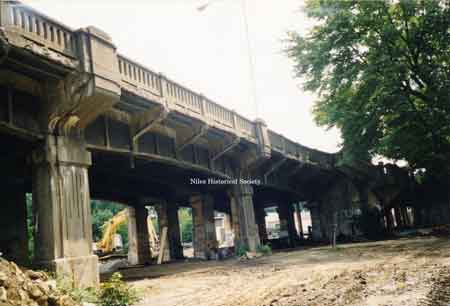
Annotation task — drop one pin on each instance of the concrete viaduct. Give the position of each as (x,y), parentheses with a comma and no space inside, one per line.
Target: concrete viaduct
(79,121)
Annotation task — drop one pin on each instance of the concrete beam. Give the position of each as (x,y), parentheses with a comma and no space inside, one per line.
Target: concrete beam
(194,138)
(274,167)
(227,148)
(148,120)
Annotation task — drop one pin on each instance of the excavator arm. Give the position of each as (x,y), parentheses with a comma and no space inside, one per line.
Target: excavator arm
(110,228)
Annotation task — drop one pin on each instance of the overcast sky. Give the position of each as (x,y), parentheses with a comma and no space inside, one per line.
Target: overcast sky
(207,51)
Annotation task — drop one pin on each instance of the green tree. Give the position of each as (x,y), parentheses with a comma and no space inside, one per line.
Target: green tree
(101,212)
(185,217)
(382,72)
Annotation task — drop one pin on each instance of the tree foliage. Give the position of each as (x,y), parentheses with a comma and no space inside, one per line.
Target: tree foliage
(101,212)
(382,72)
(186,226)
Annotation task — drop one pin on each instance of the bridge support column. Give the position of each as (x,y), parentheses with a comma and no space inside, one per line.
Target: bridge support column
(138,240)
(176,249)
(63,239)
(260,216)
(389,220)
(316,228)
(168,217)
(287,223)
(405,216)
(205,241)
(398,217)
(13,222)
(243,216)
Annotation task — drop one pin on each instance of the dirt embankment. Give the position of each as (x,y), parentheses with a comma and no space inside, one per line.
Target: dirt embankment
(405,272)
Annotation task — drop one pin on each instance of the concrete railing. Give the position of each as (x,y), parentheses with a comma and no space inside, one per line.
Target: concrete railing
(288,147)
(37,27)
(45,31)
(219,114)
(139,76)
(245,126)
(182,97)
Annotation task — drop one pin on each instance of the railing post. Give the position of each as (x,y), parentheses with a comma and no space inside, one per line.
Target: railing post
(283,144)
(203,105)
(98,59)
(234,119)
(163,89)
(262,136)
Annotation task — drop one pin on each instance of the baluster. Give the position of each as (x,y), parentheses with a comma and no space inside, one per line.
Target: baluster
(8,14)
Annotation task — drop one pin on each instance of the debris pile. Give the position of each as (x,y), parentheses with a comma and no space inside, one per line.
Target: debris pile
(28,288)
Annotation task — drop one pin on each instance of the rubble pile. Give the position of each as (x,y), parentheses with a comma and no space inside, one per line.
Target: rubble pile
(29,288)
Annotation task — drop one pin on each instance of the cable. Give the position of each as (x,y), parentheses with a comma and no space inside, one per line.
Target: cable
(251,64)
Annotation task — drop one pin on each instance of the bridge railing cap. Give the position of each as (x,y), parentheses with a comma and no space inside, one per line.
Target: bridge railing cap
(98,33)
(260,121)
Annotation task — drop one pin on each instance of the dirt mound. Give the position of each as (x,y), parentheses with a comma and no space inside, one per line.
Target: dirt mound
(28,288)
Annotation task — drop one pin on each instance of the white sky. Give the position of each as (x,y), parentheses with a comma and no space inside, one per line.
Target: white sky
(207,51)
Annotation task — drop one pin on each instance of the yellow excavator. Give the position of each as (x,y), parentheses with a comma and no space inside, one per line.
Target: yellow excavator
(107,244)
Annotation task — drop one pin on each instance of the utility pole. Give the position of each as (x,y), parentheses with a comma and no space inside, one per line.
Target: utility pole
(250,60)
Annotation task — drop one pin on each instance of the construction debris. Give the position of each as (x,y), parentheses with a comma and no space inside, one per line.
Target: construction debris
(29,288)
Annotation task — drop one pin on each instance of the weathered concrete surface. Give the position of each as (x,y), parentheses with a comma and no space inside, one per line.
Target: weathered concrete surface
(138,239)
(287,223)
(63,239)
(340,206)
(245,229)
(260,217)
(204,232)
(168,217)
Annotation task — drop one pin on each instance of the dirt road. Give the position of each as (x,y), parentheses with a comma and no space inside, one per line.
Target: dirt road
(414,271)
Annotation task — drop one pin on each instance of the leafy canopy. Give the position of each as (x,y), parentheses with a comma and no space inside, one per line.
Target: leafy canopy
(382,71)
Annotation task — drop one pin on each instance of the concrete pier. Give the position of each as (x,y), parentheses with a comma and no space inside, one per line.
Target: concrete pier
(205,241)
(138,239)
(168,217)
(243,217)
(287,223)
(63,239)
(260,216)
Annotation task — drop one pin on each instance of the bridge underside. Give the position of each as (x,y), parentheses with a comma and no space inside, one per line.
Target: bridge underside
(79,121)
